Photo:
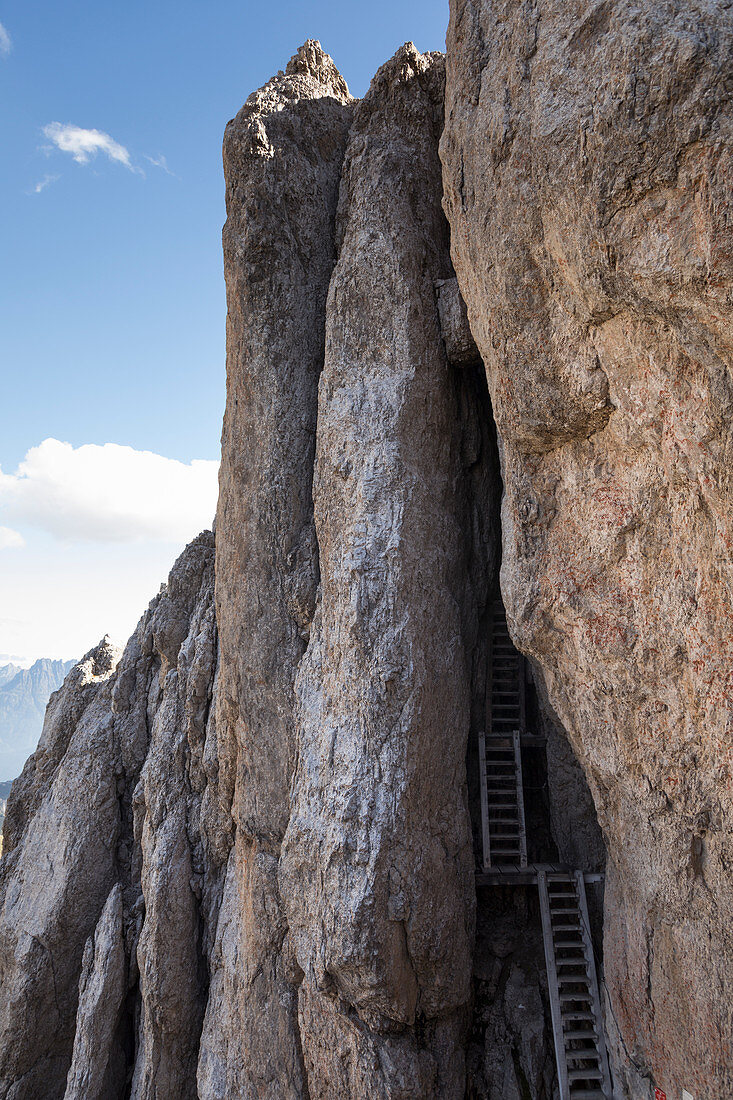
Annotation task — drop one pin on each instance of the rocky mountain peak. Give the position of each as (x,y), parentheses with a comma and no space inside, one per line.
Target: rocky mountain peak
(442,713)
(311,60)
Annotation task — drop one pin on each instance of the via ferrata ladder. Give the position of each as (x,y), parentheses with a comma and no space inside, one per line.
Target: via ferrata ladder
(577,1020)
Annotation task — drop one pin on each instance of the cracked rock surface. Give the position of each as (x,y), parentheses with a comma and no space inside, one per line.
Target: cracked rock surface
(587,166)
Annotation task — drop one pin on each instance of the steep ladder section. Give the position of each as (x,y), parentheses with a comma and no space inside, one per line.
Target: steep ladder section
(500,755)
(502,801)
(505,695)
(577,1022)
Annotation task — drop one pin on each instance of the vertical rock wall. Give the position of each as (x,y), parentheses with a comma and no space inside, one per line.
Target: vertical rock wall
(358,958)
(282,162)
(377,870)
(587,166)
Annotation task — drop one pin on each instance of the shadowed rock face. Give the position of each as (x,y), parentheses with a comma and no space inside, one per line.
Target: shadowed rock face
(240,863)
(587,165)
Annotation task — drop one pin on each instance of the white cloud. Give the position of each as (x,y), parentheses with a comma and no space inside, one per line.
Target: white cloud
(109,493)
(6,44)
(58,599)
(83,145)
(44,183)
(161,162)
(10,539)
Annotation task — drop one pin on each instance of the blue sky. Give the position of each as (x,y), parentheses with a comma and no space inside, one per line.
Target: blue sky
(111,290)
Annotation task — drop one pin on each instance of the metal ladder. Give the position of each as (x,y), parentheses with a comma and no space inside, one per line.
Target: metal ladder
(502,801)
(577,1021)
(505,694)
(500,754)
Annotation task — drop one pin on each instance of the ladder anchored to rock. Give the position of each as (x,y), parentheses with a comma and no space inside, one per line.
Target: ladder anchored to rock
(500,752)
(502,801)
(577,1020)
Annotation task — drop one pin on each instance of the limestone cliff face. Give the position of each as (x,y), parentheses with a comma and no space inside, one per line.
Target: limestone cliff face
(282,163)
(587,167)
(340,702)
(104,868)
(377,871)
(241,862)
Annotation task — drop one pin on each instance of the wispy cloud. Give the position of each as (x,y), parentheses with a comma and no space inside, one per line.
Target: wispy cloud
(83,145)
(161,162)
(10,539)
(109,493)
(43,184)
(6,44)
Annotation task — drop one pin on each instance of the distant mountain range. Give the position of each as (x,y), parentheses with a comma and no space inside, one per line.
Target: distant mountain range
(4,792)
(24,693)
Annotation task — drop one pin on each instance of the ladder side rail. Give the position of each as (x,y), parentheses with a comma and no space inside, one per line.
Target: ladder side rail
(486,838)
(489,681)
(593,979)
(516,737)
(522,678)
(557,1028)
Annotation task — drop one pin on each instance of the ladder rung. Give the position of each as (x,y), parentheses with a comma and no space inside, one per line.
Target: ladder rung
(584,1075)
(582,1034)
(586,1094)
(506,852)
(566,927)
(575,960)
(559,945)
(570,998)
(578,1014)
(561,912)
